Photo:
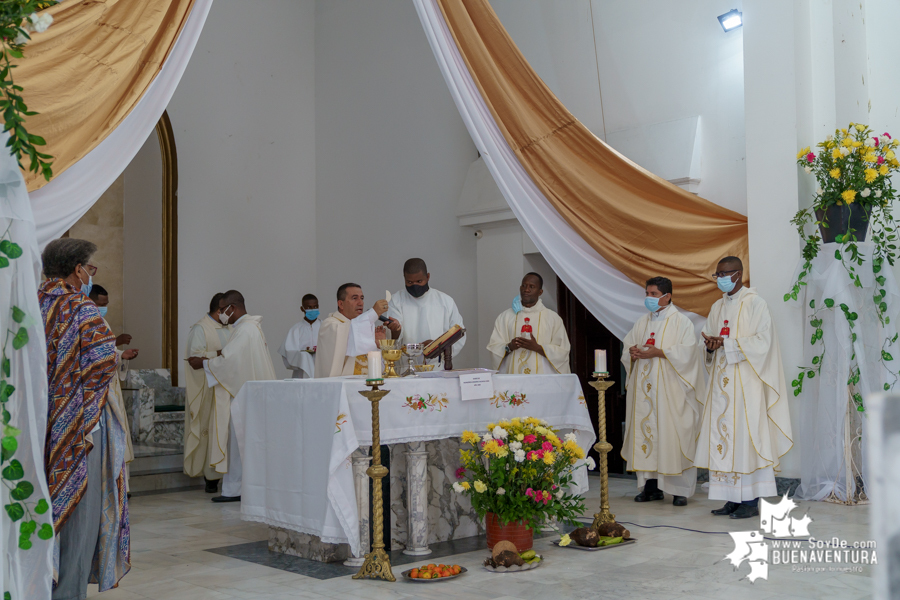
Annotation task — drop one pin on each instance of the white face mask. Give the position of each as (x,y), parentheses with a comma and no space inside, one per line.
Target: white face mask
(224,318)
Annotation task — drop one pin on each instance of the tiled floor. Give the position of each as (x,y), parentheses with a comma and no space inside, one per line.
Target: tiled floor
(173,533)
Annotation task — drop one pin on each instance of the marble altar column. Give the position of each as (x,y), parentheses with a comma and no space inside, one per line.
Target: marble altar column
(360,460)
(417,498)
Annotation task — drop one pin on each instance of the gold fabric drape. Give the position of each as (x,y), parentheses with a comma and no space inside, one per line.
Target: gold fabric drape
(90,68)
(640,223)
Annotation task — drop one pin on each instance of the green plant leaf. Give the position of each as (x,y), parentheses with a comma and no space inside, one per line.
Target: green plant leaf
(22,491)
(7,367)
(815,360)
(886,355)
(787,297)
(45,532)
(6,390)
(812,303)
(15,511)
(11,249)
(13,471)
(28,527)
(837,255)
(829,302)
(811,374)
(41,507)
(9,446)
(20,339)
(4,262)
(887,386)
(18,314)
(25,544)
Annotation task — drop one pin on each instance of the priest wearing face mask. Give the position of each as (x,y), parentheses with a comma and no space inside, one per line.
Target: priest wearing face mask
(299,348)
(205,340)
(244,358)
(664,376)
(529,338)
(746,426)
(426,313)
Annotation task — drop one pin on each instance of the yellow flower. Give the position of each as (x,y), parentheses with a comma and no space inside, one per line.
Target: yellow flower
(870,157)
(516,421)
(848,196)
(520,436)
(479,486)
(490,426)
(835,173)
(491,447)
(465,485)
(895,162)
(534,456)
(470,437)
(541,430)
(836,154)
(883,169)
(871,175)
(844,131)
(847,142)
(857,143)
(890,155)
(549,458)
(565,540)
(466,457)
(803,153)
(502,451)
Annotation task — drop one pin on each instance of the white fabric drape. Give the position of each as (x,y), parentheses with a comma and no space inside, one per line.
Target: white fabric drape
(614,299)
(59,204)
(25,573)
(824,399)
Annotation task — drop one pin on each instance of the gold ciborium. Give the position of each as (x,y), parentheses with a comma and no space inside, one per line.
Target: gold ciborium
(391,351)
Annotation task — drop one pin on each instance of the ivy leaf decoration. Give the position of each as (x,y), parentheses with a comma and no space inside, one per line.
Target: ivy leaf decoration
(25,543)
(11,249)
(9,446)
(6,390)
(829,302)
(41,507)
(45,532)
(13,471)
(886,356)
(22,491)
(15,511)
(4,262)
(18,314)
(20,339)
(27,527)
(7,367)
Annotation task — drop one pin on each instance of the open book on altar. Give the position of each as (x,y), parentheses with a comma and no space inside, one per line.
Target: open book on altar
(444,341)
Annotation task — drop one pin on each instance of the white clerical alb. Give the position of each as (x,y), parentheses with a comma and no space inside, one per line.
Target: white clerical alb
(344,343)
(549,331)
(662,408)
(746,426)
(298,350)
(425,318)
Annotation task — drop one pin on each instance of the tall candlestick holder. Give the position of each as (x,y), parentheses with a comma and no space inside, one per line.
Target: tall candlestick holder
(602,447)
(377,563)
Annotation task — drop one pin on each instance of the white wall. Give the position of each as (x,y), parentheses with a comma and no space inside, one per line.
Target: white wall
(243,117)
(392,155)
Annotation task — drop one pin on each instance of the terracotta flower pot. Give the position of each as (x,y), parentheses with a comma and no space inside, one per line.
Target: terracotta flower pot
(516,532)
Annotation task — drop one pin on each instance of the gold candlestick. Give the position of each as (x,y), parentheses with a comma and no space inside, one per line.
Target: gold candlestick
(602,447)
(377,564)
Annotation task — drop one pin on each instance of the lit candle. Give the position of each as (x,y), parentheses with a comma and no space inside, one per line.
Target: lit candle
(374,360)
(600,361)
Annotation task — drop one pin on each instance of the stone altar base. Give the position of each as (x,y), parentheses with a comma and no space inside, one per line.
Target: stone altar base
(305,546)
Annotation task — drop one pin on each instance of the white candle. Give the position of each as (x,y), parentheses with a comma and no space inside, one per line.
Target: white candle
(374,359)
(600,361)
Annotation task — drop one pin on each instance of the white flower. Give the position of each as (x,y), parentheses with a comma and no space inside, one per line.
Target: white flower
(500,433)
(589,462)
(808,170)
(487,437)
(865,193)
(500,491)
(845,151)
(878,193)
(458,488)
(829,138)
(819,191)
(870,142)
(559,494)
(39,23)
(884,140)
(570,437)
(519,455)
(515,446)
(20,39)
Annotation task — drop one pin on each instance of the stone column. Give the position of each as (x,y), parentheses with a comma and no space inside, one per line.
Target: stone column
(360,460)
(417,499)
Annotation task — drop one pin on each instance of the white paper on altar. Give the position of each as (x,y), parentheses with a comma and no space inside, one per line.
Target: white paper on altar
(286,429)
(824,398)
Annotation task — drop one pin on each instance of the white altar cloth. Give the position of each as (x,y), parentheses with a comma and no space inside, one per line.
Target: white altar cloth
(286,429)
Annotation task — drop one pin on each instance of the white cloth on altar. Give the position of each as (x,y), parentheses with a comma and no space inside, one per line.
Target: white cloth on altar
(284,427)
(824,400)
(425,318)
(232,480)
(295,351)
(344,343)
(605,291)
(549,331)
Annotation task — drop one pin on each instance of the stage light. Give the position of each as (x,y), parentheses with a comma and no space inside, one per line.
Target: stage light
(731,20)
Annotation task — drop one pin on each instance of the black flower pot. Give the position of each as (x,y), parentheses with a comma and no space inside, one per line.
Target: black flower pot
(841,219)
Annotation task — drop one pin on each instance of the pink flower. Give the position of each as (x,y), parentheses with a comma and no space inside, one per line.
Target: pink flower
(810,157)
(887,135)
(530,439)
(546,498)
(529,492)
(553,487)
(876,141)
(547,446)
(880,160)
(499,443)
(460,472)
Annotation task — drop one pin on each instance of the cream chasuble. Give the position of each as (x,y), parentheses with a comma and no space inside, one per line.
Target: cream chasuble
(425,318)
(117,401)
(663,402)
(548,330)
(298,350)
(344,343)
(746,426)
(205,339)
(244,358)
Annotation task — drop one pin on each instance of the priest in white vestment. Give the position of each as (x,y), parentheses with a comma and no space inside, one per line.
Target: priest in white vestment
(545,349)
(348,335)
(746,426)
(664,379)
(205,340)
(424,312)
(244,358)
(299,348)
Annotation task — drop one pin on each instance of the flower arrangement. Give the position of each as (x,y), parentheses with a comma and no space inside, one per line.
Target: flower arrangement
(853,169)
(520,470)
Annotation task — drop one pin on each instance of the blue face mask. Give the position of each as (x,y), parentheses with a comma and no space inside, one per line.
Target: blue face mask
(102,310)
(87,287)
(517,304)
(652,304)
(725,284)
(312,314)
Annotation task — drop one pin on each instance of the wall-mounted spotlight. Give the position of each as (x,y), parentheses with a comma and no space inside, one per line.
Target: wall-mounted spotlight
(731,20)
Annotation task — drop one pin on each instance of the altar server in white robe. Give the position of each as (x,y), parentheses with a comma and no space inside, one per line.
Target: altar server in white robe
(546,350)
(244,358)
(662,408)
(100,296)
(424,312)
(205,340)
(299,348)
(746,426)
(348,335)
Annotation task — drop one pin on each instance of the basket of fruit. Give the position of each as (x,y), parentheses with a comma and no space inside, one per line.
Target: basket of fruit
(506,559)
(433,572)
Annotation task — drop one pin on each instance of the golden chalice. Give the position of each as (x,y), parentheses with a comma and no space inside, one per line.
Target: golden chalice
(391,351)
